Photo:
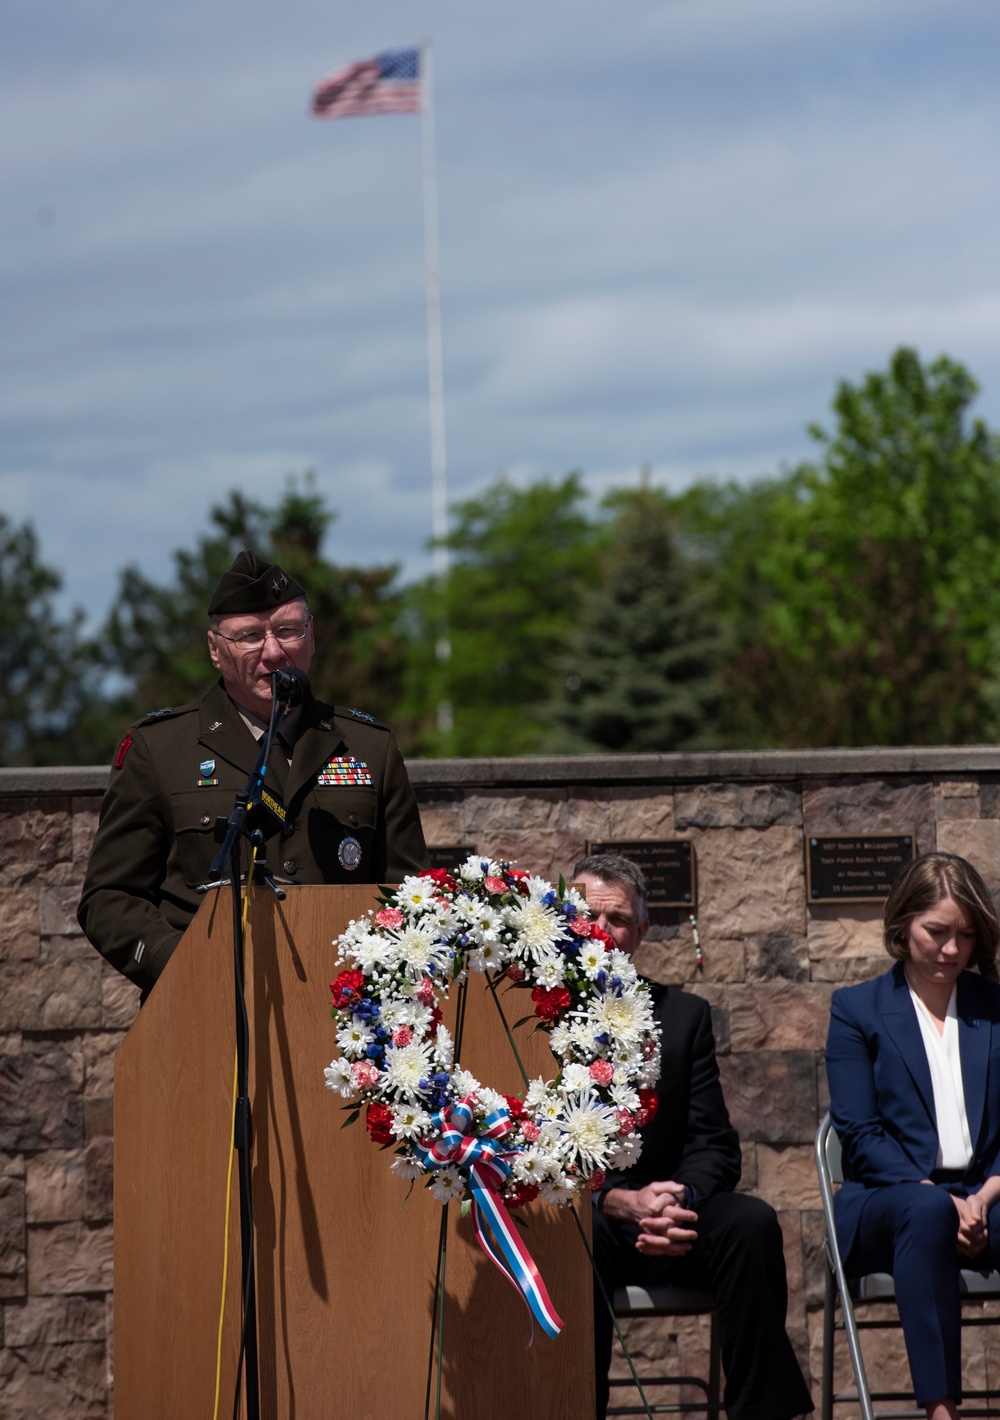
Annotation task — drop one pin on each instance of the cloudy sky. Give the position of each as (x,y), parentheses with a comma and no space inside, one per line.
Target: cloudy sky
(668,227)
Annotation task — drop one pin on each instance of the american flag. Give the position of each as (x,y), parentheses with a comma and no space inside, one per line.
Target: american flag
(389,83)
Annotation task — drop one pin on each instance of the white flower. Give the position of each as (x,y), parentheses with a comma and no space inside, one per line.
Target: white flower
(354,1039)
(536,1092)
(576,1077)
(373,951)
(627,1152)
(624,1017)
(447,1184)
(465,1083)
(410,1122)
(530,1165)
(406,1166)
(445,1046)
(405,1067)
(488,955)
(550,970)
(419,948)
(623,1095)
(538,927)
(491,1100)
(593,959)
(338,1077)
(471,870)
(557,1190)
(587,1128)
(415,893)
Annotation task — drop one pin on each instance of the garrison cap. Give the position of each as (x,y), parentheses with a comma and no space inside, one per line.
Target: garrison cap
(251,584)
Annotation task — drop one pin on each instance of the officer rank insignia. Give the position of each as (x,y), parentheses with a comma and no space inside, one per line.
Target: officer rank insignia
(343,771)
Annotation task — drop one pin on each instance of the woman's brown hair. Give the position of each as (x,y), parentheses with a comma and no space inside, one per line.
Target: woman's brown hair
(924,882)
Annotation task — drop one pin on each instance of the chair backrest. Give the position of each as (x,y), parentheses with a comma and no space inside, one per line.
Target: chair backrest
(830,1143)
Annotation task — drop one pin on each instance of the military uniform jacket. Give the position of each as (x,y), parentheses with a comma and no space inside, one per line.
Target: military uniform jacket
(351,817)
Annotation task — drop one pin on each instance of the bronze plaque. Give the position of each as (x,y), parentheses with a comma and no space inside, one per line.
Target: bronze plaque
(451,856)
(668,866)
(855,869)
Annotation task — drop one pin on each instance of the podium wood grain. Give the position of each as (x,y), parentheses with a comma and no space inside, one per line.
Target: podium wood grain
(345,1264)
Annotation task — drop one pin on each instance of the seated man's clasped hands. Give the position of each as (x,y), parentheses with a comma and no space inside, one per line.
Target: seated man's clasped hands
(913,1060)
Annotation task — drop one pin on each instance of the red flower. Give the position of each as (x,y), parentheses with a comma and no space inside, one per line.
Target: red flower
(515,972)
(598,934)
(378,1121)
(442,877)
(515,1106)
(649,1103)
(518,875)
(596,1179)
(347,987)
(492,884)
(390,917)
(550,1004)
(524,1193)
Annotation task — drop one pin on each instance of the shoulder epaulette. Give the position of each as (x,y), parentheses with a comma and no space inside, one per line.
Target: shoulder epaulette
(361,715)
(169,712)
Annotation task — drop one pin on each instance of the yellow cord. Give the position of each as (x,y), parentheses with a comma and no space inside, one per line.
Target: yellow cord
(229,1185)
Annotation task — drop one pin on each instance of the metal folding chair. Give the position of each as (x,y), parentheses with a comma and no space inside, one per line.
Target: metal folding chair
(670,1301)
(852,1292)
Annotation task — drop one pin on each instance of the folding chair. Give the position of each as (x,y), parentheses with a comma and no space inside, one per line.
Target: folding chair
(852,1292)
(668,1301)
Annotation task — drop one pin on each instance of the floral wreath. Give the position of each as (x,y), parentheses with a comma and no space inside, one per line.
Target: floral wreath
(396,1057)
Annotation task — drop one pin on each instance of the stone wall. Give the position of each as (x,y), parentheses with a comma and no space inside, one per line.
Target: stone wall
(769,966)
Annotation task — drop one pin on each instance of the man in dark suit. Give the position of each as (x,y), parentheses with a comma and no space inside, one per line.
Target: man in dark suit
(674,1215)
(351,815)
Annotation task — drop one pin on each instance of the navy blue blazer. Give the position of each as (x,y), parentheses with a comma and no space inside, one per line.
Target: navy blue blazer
(881,1096)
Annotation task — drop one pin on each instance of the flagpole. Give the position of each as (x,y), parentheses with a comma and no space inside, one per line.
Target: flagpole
(435,366)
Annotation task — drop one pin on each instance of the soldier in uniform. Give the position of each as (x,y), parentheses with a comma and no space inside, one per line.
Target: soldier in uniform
(351,815)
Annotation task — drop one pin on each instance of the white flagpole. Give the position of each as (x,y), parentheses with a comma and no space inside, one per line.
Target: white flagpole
(435,358)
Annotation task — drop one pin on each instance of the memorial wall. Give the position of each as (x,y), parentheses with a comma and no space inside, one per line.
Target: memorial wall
(766,871)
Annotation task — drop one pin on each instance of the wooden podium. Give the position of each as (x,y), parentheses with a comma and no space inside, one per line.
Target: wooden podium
(345,1263)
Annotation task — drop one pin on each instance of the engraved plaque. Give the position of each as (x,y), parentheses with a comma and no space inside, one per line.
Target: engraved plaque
(859,868)
(668,866)
(451,856)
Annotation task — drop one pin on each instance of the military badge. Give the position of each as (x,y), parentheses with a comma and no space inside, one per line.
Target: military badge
(349,854)
(205,770)
(343,771)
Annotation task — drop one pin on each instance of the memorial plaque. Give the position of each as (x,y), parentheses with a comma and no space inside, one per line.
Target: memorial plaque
(451,856)
(855,869)
(668,866)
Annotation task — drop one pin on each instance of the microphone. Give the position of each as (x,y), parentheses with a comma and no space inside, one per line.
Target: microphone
(289,685)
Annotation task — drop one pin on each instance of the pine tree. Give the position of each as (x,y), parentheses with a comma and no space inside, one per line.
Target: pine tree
(639,671)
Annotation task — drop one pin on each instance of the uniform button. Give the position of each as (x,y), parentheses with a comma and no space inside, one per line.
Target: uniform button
(354,820)
(287,829)
(290,866)
(205,820)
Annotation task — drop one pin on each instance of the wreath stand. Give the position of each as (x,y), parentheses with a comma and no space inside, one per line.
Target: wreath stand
(345,1268)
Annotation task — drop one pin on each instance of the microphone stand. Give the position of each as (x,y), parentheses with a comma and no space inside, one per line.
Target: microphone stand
(229,851)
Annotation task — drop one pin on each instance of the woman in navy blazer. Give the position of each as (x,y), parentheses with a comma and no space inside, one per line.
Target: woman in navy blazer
(899,1209)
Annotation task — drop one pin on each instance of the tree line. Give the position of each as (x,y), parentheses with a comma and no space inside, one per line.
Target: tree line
(853,599)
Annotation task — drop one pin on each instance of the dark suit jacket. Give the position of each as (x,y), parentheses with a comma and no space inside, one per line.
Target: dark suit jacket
(155,841)
(691,1139)
(881,1097)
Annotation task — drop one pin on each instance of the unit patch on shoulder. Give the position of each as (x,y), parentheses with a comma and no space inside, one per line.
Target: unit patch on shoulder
(123,750)
(344,771)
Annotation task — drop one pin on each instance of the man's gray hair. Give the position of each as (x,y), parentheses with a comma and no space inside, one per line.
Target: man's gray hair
(615,868)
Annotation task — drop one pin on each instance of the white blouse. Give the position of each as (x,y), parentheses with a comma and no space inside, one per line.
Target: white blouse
(954,1139)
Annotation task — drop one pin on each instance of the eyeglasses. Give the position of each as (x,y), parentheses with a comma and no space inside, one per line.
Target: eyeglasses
(253,640)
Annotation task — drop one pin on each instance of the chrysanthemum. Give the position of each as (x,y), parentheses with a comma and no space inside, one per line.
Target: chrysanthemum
(410,1121)
(354,1039)
(587,1128)
(405,1067)
(538,928)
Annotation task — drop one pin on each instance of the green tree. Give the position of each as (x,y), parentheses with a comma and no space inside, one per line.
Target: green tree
(46,674)
(861,591)
(639,672)
(155,635)
(521,559)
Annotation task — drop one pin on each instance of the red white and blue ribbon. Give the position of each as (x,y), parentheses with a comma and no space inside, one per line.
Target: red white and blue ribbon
(483,1159)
